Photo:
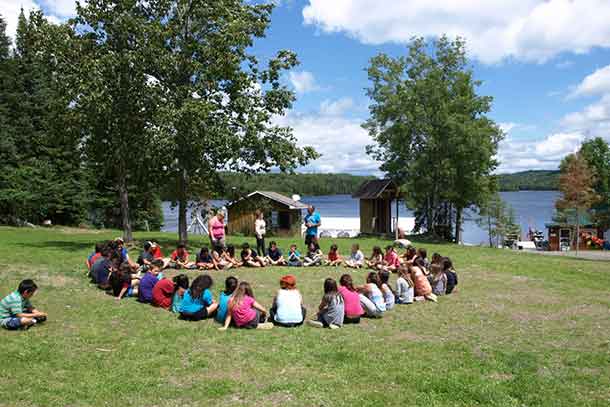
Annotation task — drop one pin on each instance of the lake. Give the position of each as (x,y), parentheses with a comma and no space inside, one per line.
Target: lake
(532,209)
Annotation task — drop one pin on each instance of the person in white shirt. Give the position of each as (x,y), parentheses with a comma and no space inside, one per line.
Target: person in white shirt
(260,229)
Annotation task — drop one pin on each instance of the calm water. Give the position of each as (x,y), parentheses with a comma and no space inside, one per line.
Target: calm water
(532,209)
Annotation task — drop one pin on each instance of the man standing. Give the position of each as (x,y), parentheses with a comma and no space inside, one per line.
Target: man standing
(312,222)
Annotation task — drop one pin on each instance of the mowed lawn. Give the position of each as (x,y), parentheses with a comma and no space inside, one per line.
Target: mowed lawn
(522,330)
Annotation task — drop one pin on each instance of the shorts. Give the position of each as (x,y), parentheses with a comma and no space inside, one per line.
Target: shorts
(196,316)
(11,323)
(310,238)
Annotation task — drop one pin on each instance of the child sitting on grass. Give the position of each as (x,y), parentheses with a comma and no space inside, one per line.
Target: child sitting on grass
(375,262)
(16,310)
(148,282)
(229,256)
(294,257)
(423,290)
(180,258)
(452,278)
(404,287)
(163,292)
(314,256)
(244,311)
(391,260)
(331,311)
(287,309)
(438,279)
(274,255)
(95,255)
(224,297)
(250,257)
(371,297)
(205,261)
(122,282)
(384,286)
(333,258)
(197,302)
(181,284)
(218,254)
(356,258)
(351,300)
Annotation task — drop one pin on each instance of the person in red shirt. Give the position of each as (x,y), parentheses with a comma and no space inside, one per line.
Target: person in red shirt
(180,258)
(156,250)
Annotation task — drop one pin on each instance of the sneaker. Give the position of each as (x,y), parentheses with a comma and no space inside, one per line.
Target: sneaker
(315,324)
(333,326)
(265,326)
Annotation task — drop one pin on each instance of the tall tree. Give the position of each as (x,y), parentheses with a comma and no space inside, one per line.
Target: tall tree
(117,98)
(431,131)
(493,219)
(219,101)
(596,153)
(576,187)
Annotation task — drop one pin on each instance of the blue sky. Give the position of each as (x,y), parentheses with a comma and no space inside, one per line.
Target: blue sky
(545,62)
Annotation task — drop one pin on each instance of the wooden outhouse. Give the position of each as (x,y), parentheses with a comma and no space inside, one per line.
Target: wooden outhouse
(283,215)
(376,198)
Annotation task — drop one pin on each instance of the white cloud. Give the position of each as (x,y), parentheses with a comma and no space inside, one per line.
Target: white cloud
(336,107)
(596,83)
(519,155)
(56,11)
(303,81)
(341,141)
(529,30)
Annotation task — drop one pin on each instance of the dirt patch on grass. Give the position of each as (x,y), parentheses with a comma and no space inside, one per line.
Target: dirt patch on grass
(500,377)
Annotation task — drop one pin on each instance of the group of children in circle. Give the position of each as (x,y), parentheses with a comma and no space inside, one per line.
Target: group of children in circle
(342,302)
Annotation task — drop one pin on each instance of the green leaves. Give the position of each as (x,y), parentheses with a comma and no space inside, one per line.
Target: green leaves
(431,131)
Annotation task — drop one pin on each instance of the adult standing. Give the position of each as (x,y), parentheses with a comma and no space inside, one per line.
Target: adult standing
(216,230)
(312,222)
(260,229)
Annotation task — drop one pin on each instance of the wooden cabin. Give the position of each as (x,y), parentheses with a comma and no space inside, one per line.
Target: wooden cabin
(376,198)
(562,235)
(283,215)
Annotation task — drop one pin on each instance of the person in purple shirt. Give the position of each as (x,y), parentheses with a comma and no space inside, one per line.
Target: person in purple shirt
(148,282)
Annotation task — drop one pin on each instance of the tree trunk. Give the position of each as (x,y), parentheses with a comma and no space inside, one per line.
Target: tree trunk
(124,199)
(458,225)
(489,230)
(182,208)
(577,230)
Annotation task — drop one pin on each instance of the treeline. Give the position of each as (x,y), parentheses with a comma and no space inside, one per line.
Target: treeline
(538,180)
(236,184)
(130,99)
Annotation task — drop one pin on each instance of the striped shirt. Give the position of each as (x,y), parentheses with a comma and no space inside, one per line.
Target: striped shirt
(13,304)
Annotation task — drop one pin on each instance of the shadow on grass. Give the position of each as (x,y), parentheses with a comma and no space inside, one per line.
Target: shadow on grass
(58,244)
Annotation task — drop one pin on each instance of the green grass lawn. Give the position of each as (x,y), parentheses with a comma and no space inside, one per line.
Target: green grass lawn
(522,330)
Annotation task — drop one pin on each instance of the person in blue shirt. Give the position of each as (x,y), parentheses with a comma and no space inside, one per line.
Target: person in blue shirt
(312,223)
(223,299)
(198,303)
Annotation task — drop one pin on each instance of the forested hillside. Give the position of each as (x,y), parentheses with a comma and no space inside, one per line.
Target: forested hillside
(529,181)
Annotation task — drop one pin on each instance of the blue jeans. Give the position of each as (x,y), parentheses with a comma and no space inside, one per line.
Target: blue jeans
(11,323)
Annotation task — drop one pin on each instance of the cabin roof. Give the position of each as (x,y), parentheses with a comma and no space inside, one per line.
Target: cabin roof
(373,189)
(274,196)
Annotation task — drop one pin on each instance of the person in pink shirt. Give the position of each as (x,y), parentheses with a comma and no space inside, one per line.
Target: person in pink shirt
(391,260)
(351,300)
(244,311)
(216,229)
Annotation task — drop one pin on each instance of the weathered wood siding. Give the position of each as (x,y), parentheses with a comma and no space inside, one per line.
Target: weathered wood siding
(242,216)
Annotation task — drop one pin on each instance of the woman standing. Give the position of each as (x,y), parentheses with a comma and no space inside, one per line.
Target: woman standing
(260,229)
(216,230)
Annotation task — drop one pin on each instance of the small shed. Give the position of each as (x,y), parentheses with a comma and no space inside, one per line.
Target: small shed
(562,235)
(376,198)
(283,215)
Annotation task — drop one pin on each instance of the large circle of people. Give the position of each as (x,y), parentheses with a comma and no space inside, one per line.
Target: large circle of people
(343,302)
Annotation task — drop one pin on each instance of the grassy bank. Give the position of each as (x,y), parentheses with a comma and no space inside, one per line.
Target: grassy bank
(523,330)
